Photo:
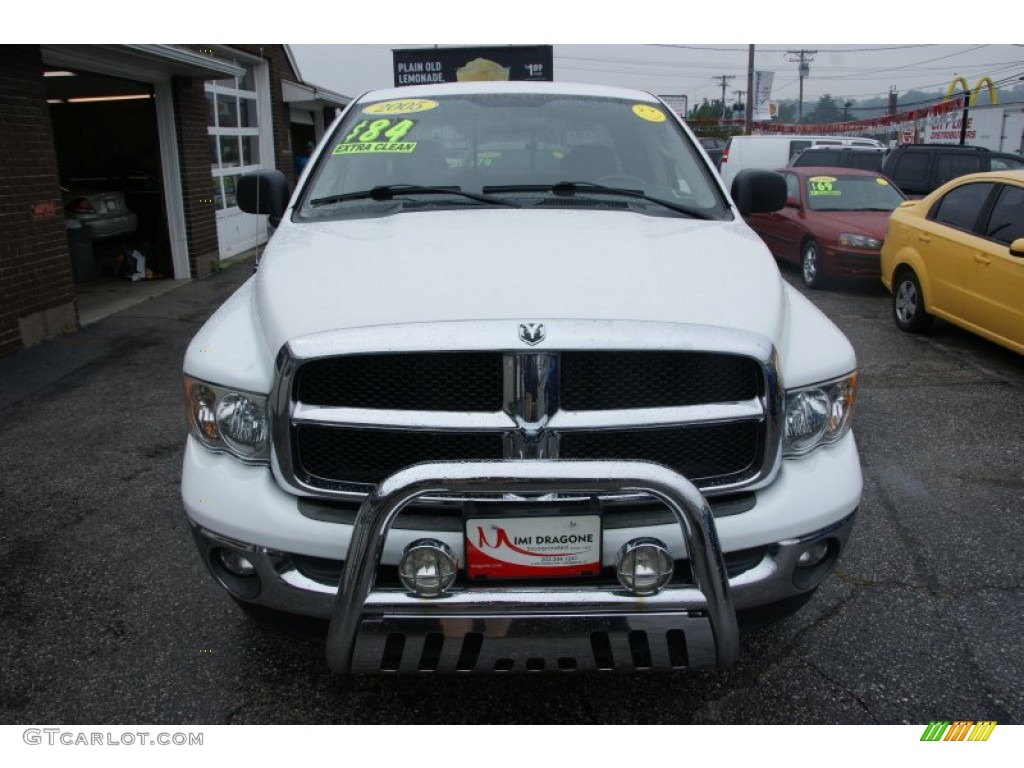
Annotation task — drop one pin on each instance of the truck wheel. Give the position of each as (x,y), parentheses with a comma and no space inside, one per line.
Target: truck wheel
(908,303)
(811,266)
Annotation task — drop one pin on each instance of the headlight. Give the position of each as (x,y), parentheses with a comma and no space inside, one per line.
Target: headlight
(229,420)
(818,415)
(859,241)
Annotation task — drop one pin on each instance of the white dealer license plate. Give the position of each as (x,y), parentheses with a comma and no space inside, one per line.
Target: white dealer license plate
(533,546)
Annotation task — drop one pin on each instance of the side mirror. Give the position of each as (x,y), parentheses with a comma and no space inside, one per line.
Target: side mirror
(1017,248)
(757,191)
(263,192)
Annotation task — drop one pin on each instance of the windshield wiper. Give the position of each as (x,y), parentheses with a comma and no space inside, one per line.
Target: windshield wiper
(391,191)
(569,188)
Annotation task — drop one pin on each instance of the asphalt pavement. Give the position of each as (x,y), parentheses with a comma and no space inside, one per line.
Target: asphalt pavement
(109,617)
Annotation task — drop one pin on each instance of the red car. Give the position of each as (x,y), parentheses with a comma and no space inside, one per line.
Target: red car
(833,224)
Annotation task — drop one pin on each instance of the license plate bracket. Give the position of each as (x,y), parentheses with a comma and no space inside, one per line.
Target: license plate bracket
(515,540)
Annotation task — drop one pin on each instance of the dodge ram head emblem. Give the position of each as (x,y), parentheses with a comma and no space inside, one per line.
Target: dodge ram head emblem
(531,333)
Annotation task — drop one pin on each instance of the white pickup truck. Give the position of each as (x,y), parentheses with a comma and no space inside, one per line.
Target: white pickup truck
(514,387)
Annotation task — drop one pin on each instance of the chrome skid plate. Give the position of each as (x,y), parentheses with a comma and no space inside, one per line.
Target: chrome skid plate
(568,643)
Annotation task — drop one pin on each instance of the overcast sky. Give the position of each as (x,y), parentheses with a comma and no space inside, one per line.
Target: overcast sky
(863,47)
(848,71)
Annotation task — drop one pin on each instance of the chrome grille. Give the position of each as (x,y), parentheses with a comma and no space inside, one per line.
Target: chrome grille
(703,401)
(589,381)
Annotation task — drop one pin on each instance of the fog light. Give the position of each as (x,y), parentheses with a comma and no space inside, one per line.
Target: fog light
(644,566)
(427,568)
(813,555)
(236,563)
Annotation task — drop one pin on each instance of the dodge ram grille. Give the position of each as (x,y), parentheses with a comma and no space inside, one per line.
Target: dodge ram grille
(342,423)
(589,381)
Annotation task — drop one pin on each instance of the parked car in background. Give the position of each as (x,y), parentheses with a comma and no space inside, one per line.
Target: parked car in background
(958,254)
(865,158)
(919,169)
(104,214)
(833,224)
(713,145)
(773,151)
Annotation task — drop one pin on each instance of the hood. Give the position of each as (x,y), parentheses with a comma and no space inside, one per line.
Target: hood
(518,265)
(873,223)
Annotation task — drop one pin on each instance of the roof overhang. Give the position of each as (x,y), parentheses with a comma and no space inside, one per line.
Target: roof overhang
(310,97)
(141,62)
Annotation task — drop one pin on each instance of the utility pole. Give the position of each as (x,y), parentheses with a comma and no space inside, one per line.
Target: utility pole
(892,111)
(748,122)
(805,58)
(739,99)
(724,81)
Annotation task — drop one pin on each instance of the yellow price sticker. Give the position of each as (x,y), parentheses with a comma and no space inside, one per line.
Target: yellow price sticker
(365,148)
(400,107)
(649,113)
(821,185)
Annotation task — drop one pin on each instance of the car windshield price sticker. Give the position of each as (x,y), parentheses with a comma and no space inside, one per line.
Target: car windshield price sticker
(400,107)
(649,113)
(822,186)
(533,547)
(381,135)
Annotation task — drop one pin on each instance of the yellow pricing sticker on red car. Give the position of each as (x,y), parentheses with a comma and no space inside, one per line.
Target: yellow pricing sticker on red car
(822,185)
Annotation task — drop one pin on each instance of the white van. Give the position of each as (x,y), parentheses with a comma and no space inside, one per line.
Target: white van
(771,152)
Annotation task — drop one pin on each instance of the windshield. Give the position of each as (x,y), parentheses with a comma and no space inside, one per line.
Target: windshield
(509,148)
(851,193)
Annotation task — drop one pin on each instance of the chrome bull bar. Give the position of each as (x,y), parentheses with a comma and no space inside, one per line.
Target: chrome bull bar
(364,618)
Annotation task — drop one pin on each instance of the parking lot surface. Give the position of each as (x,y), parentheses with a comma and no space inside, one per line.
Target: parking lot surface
(109,617)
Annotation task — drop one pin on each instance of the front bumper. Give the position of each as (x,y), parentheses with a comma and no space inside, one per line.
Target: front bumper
(379,629)
(854,263)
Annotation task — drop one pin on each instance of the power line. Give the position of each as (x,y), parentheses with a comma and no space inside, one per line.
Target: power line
(762,49)
(688,74)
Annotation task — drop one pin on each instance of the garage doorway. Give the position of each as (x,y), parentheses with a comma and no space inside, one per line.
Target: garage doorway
(108,156)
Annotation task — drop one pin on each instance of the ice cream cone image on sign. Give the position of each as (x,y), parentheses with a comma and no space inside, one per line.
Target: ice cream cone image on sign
(481,69)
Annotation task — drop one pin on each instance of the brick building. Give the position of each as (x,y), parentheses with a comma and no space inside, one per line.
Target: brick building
(169,126)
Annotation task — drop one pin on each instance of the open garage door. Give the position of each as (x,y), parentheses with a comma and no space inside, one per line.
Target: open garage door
(108,154)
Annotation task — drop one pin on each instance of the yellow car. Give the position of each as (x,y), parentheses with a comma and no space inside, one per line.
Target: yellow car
(958,254)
